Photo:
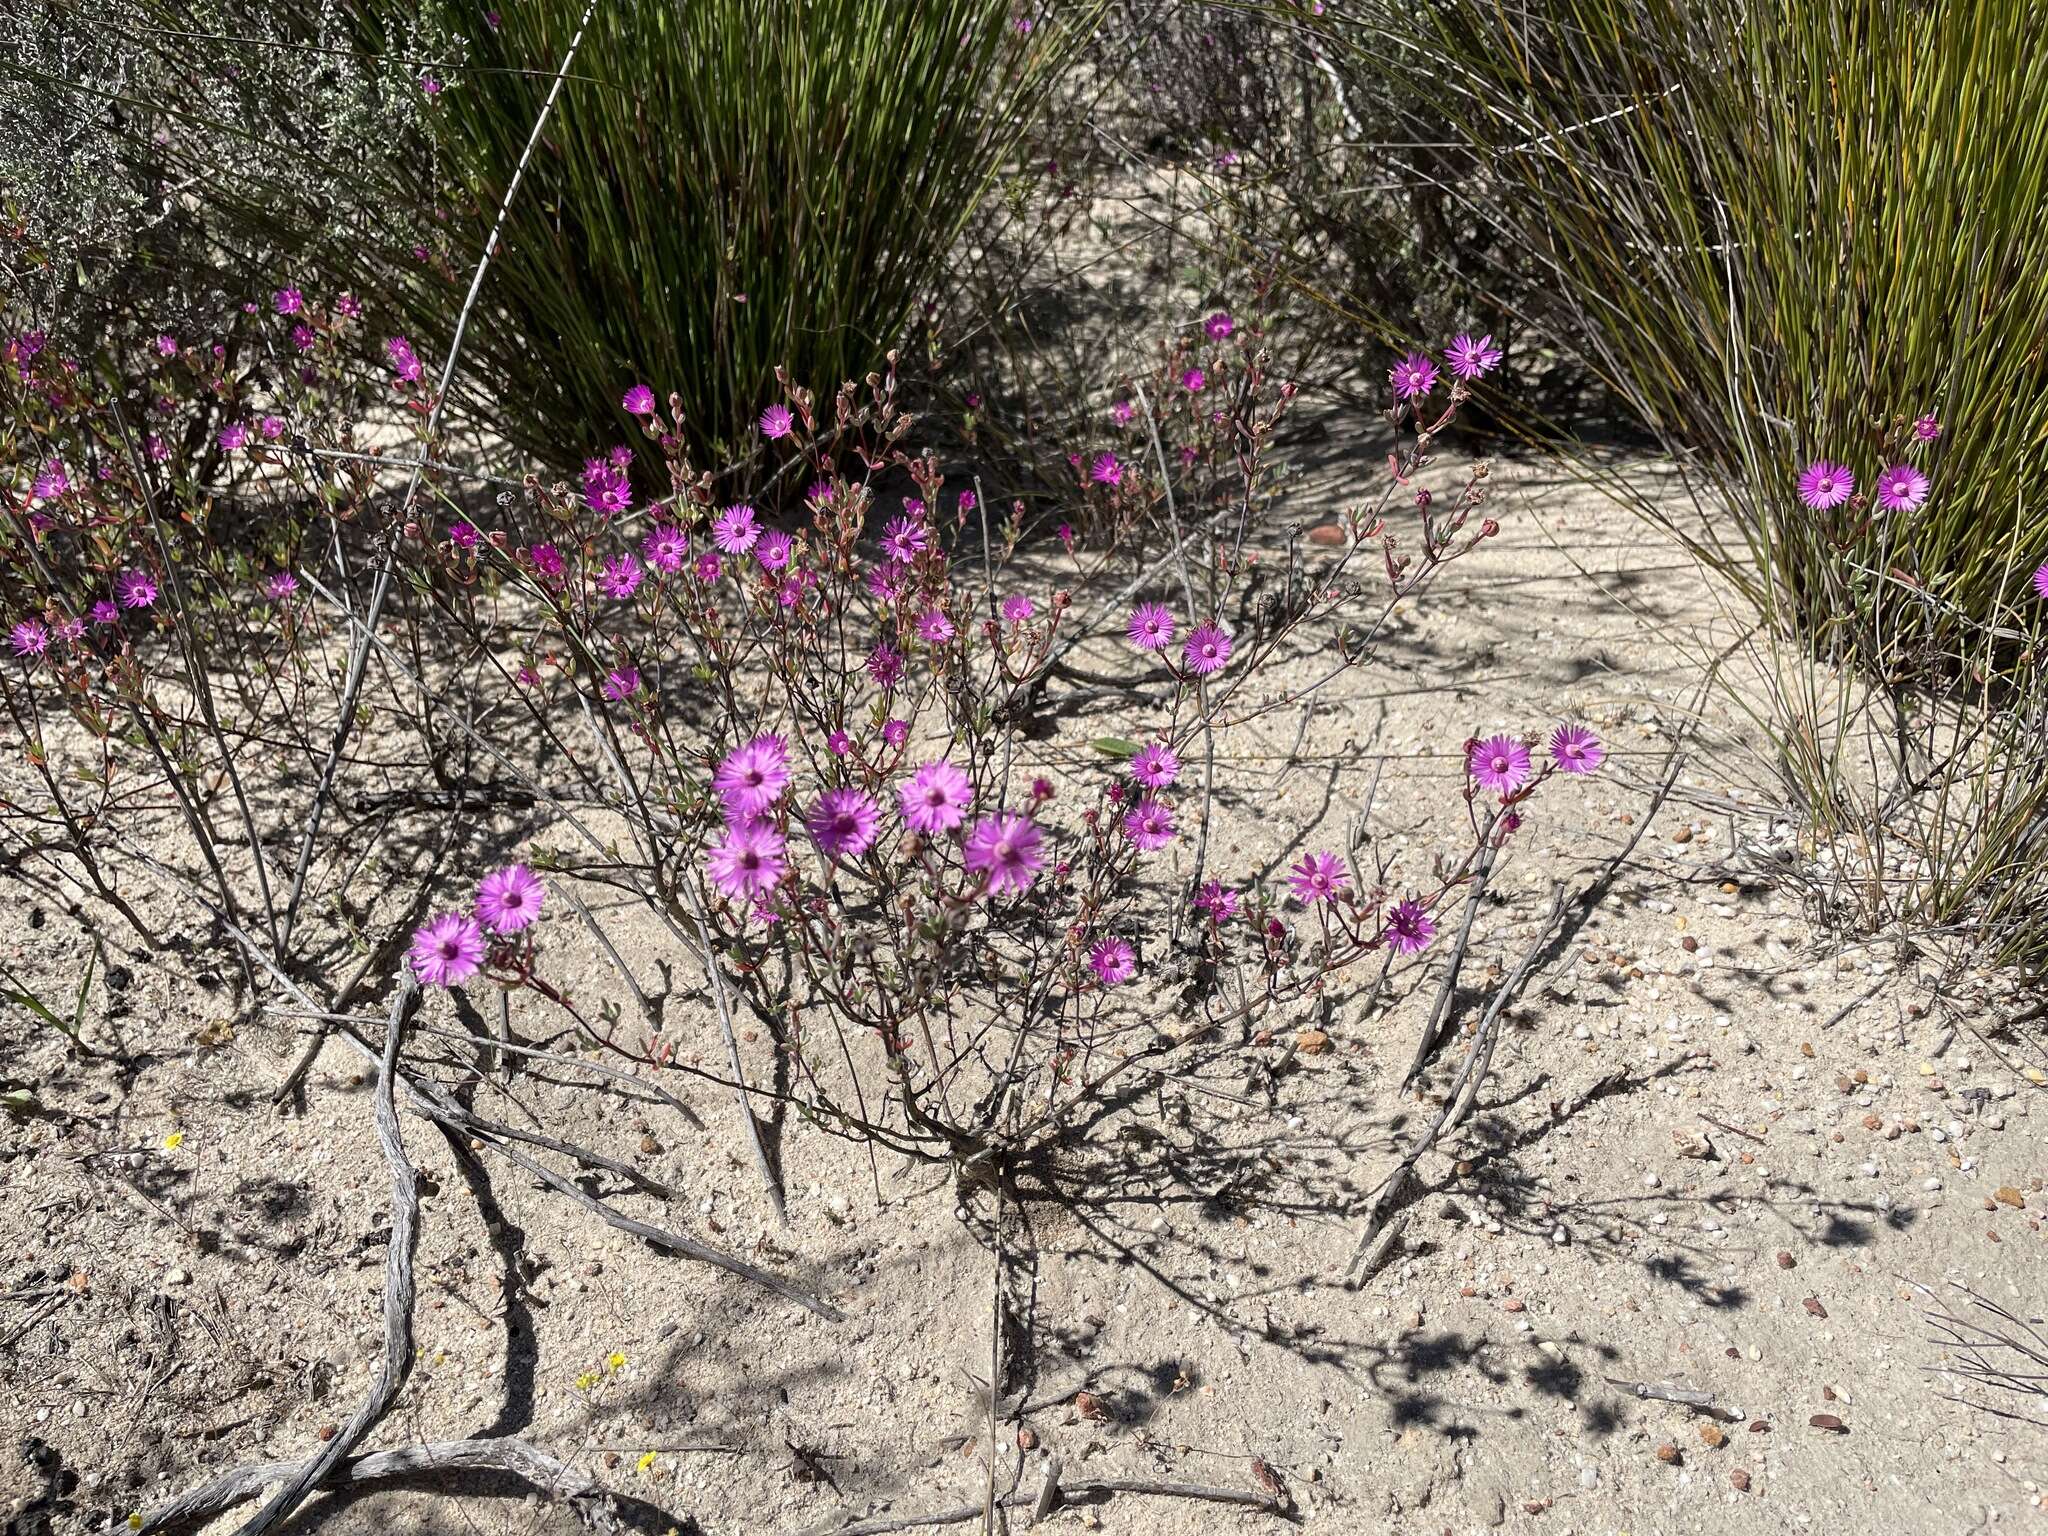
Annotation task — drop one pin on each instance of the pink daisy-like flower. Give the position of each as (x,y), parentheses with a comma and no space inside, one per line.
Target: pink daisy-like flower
(638,401)
(1155,766)
(1122,412)
(776,421)
(404,362)
(1107,470)
(1216,900)
(1319,877)
(749,862)
(885,666)
(1194,381)
(1825,484)
(1004,850)
(280,585)
(906,539)
(546,559)
(104,612)
(234,437)
(937,798)
(29,638)
(665,547)
(839,743)
(895,732)
(934,626)
(772,550)
(2041,581)
(448,950)
(167,346)
(1206,650)
(1413,376)
(135,589)
(1408,928)
(272,427)
(1499,763)
(52,482)
(1469,359)
(1926,428)
(753,777)
(1113,962)
(843,823)
(606,488)
(302,338)
(621,578)
(72,629)
(968,501)
(1150,627)
(734,530)
(464,535)
(509,899)
(1576,750)
(1901,488)
(350,306)
(621,684)
(819,493)
(1017,608)
(708,566)
(289,301)
(1149,824)
(1219,325)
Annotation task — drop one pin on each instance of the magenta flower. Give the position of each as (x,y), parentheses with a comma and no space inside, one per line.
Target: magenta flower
(464,535)
(448,950)
(52,482)
(1470,359)
(1826,484)
(1412,377)
(1901,488)
(839,743)
(135,589)
(621,578)
(1149,824)
(272,427)
(638,401)
(843,823)
(1155,766)
(289,301)
(1206,650)
(72,629)
(1113,962)
(708,566)
(906,539)
(546,559)
(2041,581)
(167,346)
(509,899)
(776,421)
(937,798)
(885,665)
(734,530)
(1926,428)
(233,437)
(104,612)
(934,626)
(1194,381)
(1017,608)
(665,547)
(772,550)
(349,305)
(620,684)
(1576,750)
(1499,763)
(753,777)
(1219,325)
(606,488)
(1151,627)
(1408,928)
(29,638)
(281,585)
(1106,470)
(404,362)
(968,501)
(302,338)
(1003,849)
(429,85)
(895,732)
(749,862)
(1217,901)
(1319,877)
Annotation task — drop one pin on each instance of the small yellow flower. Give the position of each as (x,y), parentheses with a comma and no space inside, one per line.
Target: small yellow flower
(647,1461)
(135,1522)
(587,1380)
(615,1361)
(171,1144)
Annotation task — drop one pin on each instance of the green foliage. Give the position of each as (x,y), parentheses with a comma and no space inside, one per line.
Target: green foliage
(1773,227)
(725,188)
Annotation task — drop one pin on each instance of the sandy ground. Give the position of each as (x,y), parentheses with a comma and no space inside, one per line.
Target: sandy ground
(169,1310)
